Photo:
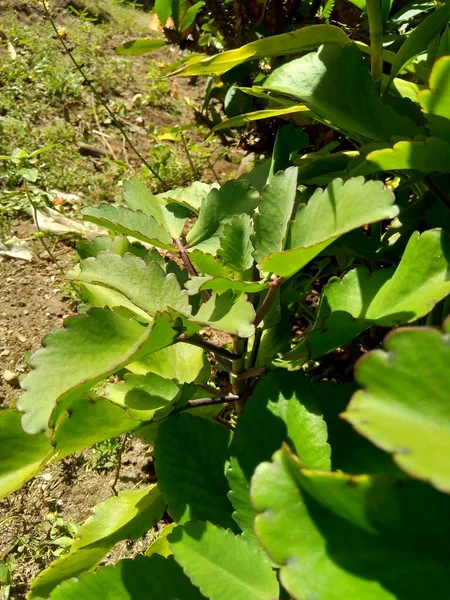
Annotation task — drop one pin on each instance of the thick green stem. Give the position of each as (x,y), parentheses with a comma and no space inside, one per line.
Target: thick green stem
(373,9)
(239,385)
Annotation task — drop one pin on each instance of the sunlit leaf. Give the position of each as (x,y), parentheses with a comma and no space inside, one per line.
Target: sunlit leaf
(435,102)
(300,40)
(341,536)
(127,222)
(284,404)
(405,408)
(334,211)
(331,83)
(274,213)
(126,516)
(104,342)
(223,565)
(139,47)
(146,285)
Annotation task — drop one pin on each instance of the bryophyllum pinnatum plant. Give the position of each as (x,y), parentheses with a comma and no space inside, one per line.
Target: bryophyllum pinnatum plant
(301,437)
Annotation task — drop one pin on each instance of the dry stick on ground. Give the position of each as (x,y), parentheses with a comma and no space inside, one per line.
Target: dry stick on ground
(119,464)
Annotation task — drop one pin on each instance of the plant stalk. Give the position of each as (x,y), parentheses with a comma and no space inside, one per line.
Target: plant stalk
(199,402)
(269,298)
(196,340)
(373,9)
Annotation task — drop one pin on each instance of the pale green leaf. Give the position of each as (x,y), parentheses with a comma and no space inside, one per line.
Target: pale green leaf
(435,102)
(339,536)
(161,545)
(183,363)
(139,47)
(226,313)
(222,565)
(285,405)
(22,456)
(428,156)
(235,245)
(208,264)
(191,197)
(145,285)
(127,222)
(222,284)
(331,82)
(300,40)
(145,397)
(88,349)
(86,422)
(334,211)
(126,516)
(234,198)
(274,213)
(190,460)
(404,409)
(139,197)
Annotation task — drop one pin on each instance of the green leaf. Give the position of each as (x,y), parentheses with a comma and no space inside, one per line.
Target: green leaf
(334,211)
(126,516)
(285,405)
(209,264)
(127,222)
(190,15)
(405,408)
(163,10)
(274,213)
(222,565)
(428,156)
(227,314)
(191,197)
(332,82)
(146,285)
(156,577)
(418,40)
(190,460)
(385,297)
(22,455)
(139,47)
(257,115)
(339,536)
(289,139)
(435,102)
(299,40)
(140,198)
(86,422)
(233,198)
(183,363)
(88,349)
(145,397)
(221,284)
(351,453)
(161,545)
(235,245)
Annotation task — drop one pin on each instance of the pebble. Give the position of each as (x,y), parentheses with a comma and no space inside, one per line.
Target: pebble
(11,378)
(20,337)
(6,352)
